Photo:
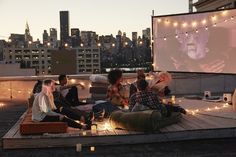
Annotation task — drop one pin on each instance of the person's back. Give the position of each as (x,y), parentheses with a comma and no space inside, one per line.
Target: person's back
(145,97)
(40,107)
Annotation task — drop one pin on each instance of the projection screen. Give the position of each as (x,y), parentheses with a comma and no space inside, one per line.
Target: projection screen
(198,42)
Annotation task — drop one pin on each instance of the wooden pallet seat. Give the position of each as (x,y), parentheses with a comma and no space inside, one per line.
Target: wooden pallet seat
(29,127)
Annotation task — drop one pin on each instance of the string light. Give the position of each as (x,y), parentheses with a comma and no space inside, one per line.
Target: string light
(194,24)
(216,108)
(175,24)
(204,21)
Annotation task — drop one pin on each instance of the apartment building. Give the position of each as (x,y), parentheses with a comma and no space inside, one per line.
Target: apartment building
(88,60)
(206,5)
(38,58)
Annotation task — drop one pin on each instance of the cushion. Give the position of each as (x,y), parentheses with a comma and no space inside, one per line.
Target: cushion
(28,127)
(98,78)
(147,121)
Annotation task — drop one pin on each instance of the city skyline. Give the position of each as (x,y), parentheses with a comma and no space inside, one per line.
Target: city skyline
(104,17)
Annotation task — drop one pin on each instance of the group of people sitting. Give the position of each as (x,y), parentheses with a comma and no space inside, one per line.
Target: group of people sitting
(143,95)
(57,102)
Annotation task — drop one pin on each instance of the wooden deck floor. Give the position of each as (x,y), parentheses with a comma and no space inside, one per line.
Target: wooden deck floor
(208,120)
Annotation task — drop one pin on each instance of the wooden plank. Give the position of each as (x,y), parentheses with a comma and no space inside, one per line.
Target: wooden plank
(221,121)
(15,128)
(120,139)
(191,121)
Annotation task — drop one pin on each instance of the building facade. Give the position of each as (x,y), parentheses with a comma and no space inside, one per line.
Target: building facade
(37,58)
(88,60)
(206,5)
(63,61)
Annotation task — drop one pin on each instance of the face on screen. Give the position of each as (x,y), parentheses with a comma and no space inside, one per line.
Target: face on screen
(194,44)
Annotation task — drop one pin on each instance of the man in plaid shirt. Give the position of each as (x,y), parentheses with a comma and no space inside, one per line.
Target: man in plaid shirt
(149,100)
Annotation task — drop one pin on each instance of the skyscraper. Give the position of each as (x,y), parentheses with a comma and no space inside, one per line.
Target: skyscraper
(64,27)
(28,37)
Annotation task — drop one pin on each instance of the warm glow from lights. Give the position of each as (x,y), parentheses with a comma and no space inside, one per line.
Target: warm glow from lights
(113,45)
(184,24)
(165,38)
(214,18)
(2,105)
(204,22)
(82,83)
(175,24)
(224,13)
(66,44)
(48,44)
(92,149)
(99,44)
(167,22)
(194,24)
(126,43)
(72,80)
(232,18)
(107,126)
(81,45)
(158,20)
(9,40)
(30,42)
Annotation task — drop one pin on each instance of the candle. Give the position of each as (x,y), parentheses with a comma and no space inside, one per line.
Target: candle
(84,133)
(173,99)
(92,149)
(163,101)
(94,129)
(78,147)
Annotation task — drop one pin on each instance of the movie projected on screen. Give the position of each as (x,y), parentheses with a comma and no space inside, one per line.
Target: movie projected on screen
(199,42)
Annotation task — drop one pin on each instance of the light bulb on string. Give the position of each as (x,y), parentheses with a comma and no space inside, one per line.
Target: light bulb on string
(214,18)
(232,17)
(175,24)
(214,25)
(196,31)
(164,38)
(186,34)
(176,36)
(204,21)
(206,28)
(224,13)
(194,24)
(184,24)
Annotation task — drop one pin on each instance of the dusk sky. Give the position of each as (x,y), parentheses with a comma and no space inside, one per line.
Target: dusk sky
(105,17)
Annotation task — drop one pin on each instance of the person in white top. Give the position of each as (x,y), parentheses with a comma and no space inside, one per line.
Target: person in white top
(69,91)
(43,106)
